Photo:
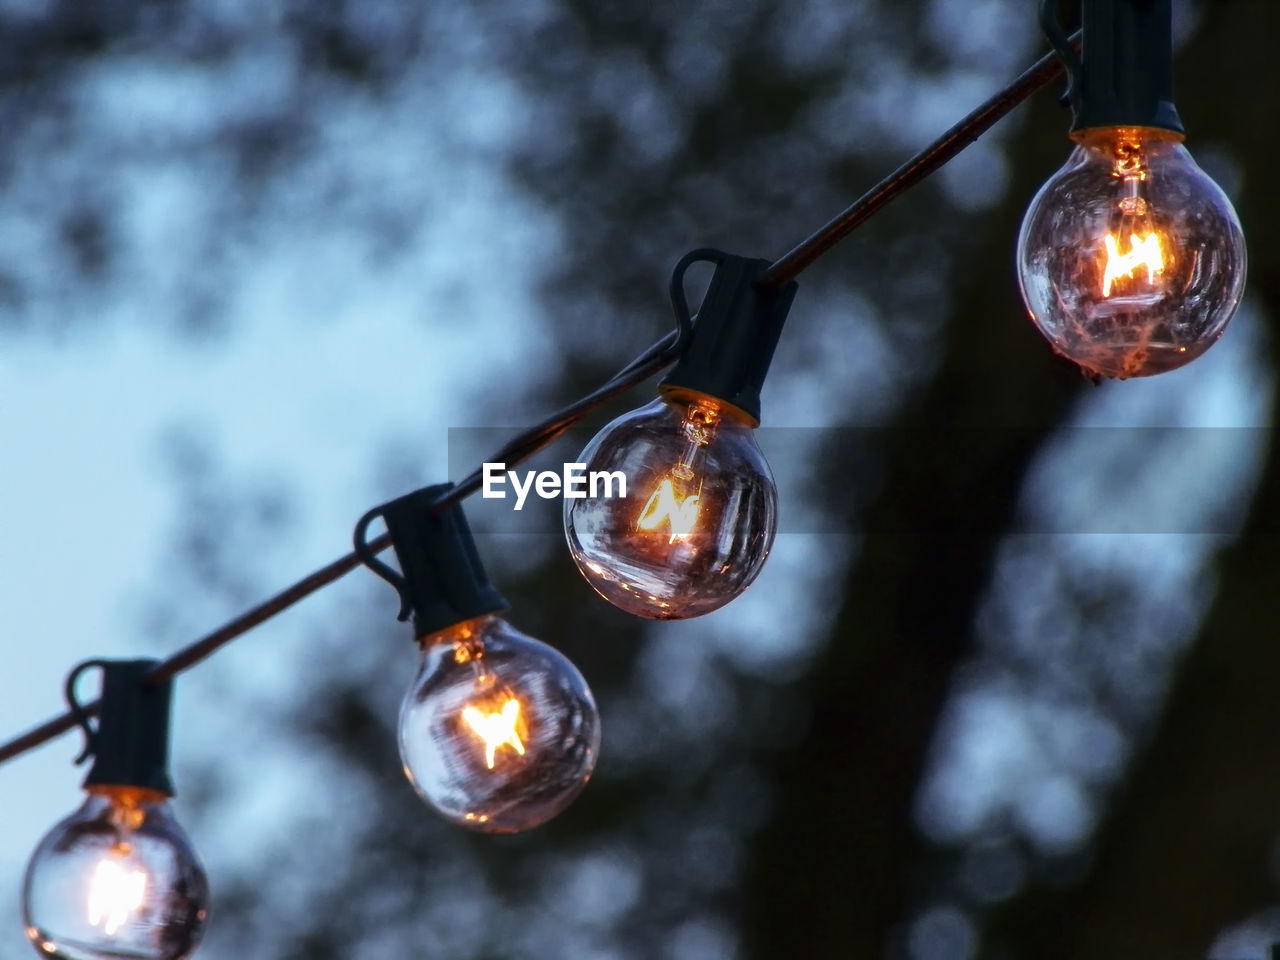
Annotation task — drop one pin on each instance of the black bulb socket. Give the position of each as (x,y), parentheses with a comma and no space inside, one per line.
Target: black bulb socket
(734,336)
(130,744)
(1124,74)
(444,582)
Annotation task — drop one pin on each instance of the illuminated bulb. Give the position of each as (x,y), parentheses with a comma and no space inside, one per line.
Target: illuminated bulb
(1131,260)
(118,878)
(698,518)
(701,510)
(498,731)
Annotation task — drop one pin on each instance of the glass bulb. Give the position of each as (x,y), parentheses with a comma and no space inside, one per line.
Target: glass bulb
(1131,260)
(698,518)
(118,878)
(498,732)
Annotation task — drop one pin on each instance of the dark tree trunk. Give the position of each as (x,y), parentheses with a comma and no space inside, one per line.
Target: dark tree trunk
(1188,845)
(832,872)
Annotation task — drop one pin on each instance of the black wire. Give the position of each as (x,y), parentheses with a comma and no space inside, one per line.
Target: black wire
(521,447)
(655,358)
(927,161)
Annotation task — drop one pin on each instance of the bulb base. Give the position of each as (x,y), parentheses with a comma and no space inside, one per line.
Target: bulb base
(734,336)
(1123,76)
(130,745)
(444,582)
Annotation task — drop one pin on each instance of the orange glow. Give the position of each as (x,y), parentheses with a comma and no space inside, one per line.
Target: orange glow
(1142,253)
(663,505)
(128,805)
(114,893)
(496,729)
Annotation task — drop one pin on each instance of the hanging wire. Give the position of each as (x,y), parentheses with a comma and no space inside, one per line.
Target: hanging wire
(927,161)
(658,356)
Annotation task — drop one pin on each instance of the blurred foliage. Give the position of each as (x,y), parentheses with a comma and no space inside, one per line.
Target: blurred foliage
(802,774)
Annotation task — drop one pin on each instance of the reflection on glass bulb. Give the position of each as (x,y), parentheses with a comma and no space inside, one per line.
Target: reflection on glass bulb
(699,517)
(1131,260)
(665,507)
(115,894)
(498,731)
(118,878)
(1143,252)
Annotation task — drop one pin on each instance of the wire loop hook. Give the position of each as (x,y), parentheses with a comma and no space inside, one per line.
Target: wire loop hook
(1061,44)
(78,710)
(366,556)
(684,319)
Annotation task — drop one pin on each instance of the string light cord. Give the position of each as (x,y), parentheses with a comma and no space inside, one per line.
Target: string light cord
(657,357)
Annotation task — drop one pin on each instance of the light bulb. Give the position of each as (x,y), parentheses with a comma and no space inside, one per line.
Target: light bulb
(498,732)
(699,515)
(118,878)
(1130,259)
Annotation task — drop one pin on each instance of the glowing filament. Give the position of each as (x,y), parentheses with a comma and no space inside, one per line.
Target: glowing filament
(496,729)
(1142,253)
(663,505)
(114,893)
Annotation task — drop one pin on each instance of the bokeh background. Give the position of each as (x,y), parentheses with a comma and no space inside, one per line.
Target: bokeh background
(1006,689)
